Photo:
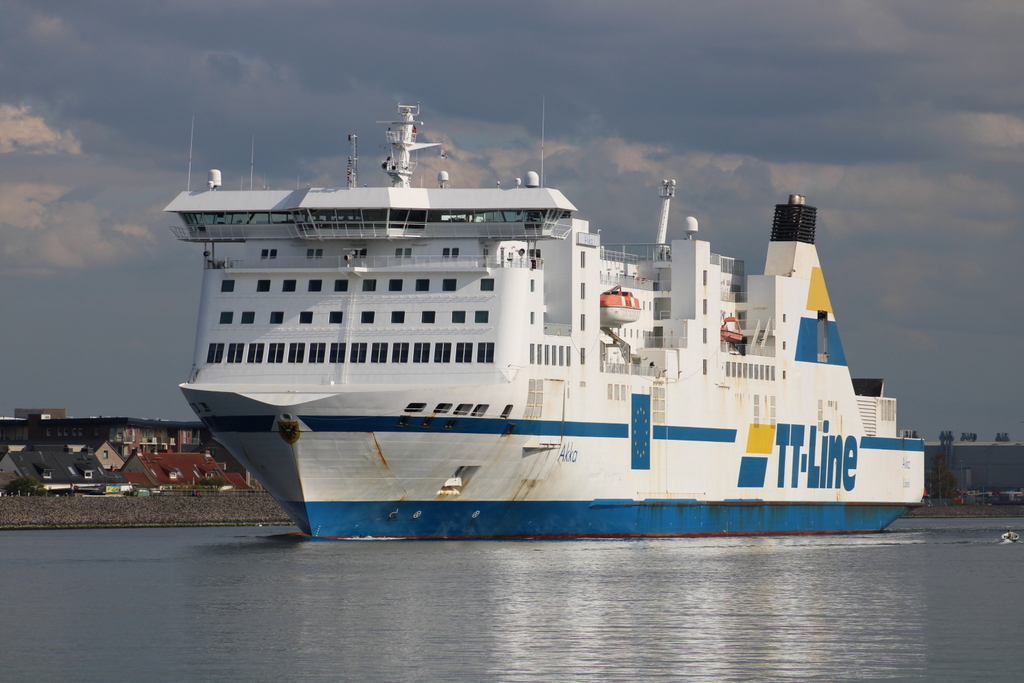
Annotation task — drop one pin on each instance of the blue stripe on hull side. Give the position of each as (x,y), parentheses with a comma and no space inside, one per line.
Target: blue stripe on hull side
(889,444)
(478,425)
(581,519)
(465,425)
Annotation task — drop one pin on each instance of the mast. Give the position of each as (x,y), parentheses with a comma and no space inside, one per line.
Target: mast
(401,135)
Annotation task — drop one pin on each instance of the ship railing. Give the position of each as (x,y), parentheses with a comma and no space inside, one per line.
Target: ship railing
(737,297)
(629,369)
(382,262)
(766,351)
(730,266)
(371,229)
(445,229)
(665,342)
(557,330)
(632,253)
(610,254)
(232,233)
(630,282)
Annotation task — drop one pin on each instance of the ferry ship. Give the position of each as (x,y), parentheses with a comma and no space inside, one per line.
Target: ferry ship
(402,362)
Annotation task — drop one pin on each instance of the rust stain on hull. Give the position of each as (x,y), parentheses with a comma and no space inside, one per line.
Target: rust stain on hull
(384,462)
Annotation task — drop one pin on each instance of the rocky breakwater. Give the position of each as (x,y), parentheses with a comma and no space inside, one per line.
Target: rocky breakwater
(130,511)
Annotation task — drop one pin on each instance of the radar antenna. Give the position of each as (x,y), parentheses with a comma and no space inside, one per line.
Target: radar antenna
(401,135)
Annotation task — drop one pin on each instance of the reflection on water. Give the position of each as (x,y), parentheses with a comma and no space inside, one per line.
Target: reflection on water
(255,604)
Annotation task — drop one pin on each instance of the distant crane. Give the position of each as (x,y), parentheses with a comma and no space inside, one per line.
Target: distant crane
(666,192)
(353,160)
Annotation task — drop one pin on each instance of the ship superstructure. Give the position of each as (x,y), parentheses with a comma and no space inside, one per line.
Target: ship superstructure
(446,362)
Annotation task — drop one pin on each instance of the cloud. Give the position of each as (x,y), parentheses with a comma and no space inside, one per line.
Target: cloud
(20,131)
(994,130)
(42,230)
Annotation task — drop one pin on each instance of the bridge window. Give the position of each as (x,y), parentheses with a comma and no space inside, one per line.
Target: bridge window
(227,285)
(443,352)
(255,353)
(215,353)
(464,352)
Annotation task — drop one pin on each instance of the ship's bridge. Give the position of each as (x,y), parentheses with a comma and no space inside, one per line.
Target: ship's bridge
(384,213)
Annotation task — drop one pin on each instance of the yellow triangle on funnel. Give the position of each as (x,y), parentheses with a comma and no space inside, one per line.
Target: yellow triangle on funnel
(817,295)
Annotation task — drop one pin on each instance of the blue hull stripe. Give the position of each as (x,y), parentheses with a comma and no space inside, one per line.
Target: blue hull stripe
(695,434)
(464,425)
(583,519)
(886,444)
(469,425)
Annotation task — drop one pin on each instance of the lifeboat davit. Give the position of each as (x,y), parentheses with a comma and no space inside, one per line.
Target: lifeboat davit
(619,307)
(731,331)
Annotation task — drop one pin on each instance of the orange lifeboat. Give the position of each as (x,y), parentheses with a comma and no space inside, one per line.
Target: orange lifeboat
(731,331)
(619,307)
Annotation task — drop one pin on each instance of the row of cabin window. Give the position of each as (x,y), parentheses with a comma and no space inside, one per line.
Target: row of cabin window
(550,354)
(369,285)
(461,409)
(356,352)
(365,317)
(750,371)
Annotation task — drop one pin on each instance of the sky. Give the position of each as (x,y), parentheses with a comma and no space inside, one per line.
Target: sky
(903,122)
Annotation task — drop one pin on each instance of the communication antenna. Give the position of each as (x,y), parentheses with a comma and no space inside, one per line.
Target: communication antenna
(252,160)
(191,138)
(542,103)
(353,161)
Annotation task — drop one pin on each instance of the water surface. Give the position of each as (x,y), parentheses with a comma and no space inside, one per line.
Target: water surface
(929,600)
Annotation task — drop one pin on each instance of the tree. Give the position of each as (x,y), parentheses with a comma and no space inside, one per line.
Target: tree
(941,480)
(25,485)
